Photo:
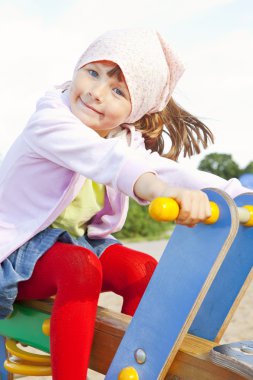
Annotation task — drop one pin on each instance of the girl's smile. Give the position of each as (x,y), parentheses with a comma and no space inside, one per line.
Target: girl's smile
(88,108)
(98,98)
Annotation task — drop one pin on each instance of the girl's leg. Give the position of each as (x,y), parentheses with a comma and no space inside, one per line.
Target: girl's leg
(126,272)
(74,275)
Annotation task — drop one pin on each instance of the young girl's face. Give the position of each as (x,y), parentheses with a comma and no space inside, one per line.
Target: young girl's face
(100,100)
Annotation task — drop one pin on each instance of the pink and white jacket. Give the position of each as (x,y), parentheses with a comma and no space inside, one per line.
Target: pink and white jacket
(48,163)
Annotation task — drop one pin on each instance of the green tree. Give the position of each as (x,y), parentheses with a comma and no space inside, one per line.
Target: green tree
(248,168)
(220,164)
(140,225)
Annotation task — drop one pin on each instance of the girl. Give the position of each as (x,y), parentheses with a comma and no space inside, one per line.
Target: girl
(65,182)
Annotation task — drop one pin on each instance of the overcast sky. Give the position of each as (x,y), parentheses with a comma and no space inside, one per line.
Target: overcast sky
(41,41)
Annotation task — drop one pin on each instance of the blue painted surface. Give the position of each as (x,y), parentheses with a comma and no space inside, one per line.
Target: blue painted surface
(172,292)
(3,373)
(247,180)
(228,281)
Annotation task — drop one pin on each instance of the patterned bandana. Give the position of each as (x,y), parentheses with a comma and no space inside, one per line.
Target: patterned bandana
(150,67)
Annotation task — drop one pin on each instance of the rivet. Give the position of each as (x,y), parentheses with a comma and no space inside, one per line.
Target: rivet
(140,356)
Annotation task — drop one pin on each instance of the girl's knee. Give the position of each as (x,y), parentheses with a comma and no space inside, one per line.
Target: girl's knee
(79,268)
(150,266)
(142,267)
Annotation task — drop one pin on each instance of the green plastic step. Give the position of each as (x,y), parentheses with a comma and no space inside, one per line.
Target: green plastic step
(25,326)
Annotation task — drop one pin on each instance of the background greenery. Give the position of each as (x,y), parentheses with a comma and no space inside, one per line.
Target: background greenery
(224,166)
(140,226)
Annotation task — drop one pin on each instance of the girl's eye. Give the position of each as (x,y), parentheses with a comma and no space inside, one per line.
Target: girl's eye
(118,91)
(93,73)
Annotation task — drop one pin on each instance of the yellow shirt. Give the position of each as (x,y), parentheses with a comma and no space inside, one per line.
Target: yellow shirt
(76,215)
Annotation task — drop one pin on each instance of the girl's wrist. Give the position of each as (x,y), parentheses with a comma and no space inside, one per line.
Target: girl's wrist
(148,187)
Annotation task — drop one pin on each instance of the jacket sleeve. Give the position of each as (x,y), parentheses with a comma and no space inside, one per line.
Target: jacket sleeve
(54,133)
(178,175)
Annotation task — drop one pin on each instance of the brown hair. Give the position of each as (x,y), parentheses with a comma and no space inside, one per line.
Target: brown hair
(186,132)
(116,71)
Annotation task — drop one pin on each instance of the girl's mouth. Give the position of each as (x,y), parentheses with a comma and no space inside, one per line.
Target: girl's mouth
(91,108)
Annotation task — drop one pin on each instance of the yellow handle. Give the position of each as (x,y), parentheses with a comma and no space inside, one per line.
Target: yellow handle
(215,213)
(128,373)
(164,209)
(249,222)
(167,209)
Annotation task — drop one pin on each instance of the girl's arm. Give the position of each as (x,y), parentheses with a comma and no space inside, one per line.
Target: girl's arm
(194,204)
(178,175)
(183,184)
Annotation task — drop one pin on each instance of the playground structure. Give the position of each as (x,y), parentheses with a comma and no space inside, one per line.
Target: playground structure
(198,283)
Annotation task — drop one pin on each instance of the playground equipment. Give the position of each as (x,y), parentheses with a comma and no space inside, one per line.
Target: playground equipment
(194,291)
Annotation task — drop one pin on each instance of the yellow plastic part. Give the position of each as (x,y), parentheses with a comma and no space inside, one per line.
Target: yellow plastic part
(167,209)
(23,368)
(11,347)
(46,327)
(215,213)
(249,223)
(26,363)
(164,209)
(128,373)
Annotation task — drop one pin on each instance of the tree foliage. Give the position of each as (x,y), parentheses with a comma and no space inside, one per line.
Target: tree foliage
(248,168)
(140,225)
(220,164)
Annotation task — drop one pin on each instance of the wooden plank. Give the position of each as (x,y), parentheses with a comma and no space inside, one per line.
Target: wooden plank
(190,363)
(229,285)
(175,292)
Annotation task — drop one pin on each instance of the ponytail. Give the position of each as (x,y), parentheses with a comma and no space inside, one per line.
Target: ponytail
(186,132)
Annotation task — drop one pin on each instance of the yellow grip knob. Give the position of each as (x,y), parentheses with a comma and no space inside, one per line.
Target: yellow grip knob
(46,327)
(164,209)
(167,209)
(249,223)
(215,213)
(128,373)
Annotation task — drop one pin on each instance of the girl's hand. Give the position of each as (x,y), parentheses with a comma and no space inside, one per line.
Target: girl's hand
(194,204)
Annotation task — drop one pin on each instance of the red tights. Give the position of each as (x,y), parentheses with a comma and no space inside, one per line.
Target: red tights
(76,276)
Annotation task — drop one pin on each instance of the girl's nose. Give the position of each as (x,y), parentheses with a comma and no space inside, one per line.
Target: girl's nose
(98,92)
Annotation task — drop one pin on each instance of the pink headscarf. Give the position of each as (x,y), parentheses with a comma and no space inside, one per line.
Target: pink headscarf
(150,67)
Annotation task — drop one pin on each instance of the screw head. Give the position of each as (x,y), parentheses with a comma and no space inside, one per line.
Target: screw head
(140,356)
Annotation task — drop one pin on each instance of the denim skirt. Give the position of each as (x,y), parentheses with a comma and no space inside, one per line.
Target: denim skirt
(20,264)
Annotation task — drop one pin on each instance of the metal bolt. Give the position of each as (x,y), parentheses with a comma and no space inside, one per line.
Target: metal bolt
(140,356)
